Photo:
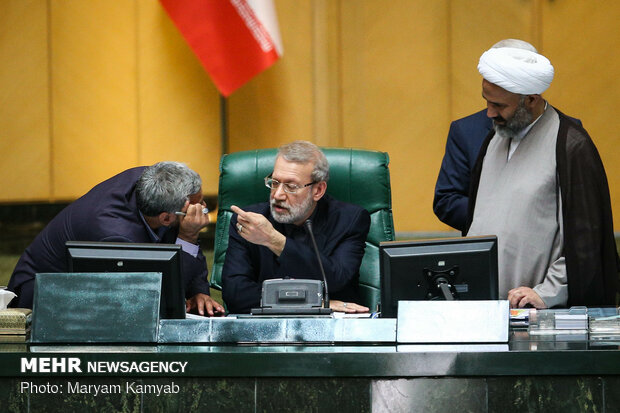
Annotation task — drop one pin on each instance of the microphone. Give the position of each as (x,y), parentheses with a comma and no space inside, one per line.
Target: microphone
(308,225)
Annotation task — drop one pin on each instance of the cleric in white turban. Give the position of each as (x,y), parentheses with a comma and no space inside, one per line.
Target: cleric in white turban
(516,70)
(539,185)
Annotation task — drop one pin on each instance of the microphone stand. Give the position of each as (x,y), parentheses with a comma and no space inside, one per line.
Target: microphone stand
(308,225)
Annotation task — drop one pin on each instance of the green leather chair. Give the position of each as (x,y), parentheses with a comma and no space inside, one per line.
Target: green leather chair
(357,176)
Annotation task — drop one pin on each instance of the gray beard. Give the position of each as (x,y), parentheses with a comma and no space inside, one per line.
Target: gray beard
(294,213)
(519,121)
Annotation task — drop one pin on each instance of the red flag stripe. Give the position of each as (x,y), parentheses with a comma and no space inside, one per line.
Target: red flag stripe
(228,39)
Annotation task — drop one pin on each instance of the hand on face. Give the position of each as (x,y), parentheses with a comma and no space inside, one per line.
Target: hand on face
(520,297)
(193,221)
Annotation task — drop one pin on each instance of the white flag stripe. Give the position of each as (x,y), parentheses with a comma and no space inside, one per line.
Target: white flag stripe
(266,13)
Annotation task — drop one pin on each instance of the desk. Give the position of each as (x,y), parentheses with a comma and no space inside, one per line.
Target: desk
(547,373)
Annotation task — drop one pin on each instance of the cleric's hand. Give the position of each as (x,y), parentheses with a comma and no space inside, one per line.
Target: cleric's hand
(520,297)
(204,303)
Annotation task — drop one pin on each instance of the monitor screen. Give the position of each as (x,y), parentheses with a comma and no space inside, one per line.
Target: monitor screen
(99,257)
(438,269)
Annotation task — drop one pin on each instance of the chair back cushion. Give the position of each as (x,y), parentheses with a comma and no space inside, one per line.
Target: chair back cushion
(356,176)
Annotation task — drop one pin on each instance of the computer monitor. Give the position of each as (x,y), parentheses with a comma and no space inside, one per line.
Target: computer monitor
(99,257)
(438,269)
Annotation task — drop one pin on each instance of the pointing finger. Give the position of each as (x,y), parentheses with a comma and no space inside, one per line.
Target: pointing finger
(237,210)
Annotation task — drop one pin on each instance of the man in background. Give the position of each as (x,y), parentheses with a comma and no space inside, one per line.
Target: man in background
(268,240)
(138,205)
(540,186)
(465,138)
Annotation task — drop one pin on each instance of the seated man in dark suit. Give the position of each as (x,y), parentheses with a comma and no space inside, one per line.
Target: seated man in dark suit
(268,240)
(137,205)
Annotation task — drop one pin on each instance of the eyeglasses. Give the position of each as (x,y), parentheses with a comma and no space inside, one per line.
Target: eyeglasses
(288,187)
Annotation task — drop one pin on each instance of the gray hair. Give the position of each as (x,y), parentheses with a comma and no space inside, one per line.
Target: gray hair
(304,152)
(165,186)
(514,43)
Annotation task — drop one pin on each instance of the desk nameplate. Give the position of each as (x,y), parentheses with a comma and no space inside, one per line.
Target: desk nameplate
(453,321)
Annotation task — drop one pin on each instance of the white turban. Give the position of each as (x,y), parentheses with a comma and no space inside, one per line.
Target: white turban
(516,70)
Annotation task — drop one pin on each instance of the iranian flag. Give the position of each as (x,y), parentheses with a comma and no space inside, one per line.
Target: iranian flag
(234,39)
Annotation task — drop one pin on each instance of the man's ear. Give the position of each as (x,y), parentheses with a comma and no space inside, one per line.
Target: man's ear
(166,218)
(318,190)
(532,100)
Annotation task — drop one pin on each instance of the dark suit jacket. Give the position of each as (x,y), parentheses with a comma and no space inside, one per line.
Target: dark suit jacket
(462,147)
(340,230)
(108,212)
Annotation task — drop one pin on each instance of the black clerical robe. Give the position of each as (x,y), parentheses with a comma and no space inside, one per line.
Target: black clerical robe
(592,262)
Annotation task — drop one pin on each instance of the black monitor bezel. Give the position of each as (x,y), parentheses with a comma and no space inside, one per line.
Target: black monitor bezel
(163,258)
(487,242)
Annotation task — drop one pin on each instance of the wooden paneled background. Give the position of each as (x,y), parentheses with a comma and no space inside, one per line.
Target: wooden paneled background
(89,88)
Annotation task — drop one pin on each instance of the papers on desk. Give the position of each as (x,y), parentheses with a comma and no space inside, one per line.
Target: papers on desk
(571,321)
(605,325)
(520,317)
(192,316)
(338,314)
(600,323)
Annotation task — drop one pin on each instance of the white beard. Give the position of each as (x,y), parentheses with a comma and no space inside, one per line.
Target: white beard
(293,213)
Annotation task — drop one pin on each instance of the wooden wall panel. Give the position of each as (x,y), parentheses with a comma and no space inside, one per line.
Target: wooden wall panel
(90,88)
(94,109)
(582,41)
(327,76)
(475,27)
(395,95)
(178,105)
(24,98)
(277,105)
